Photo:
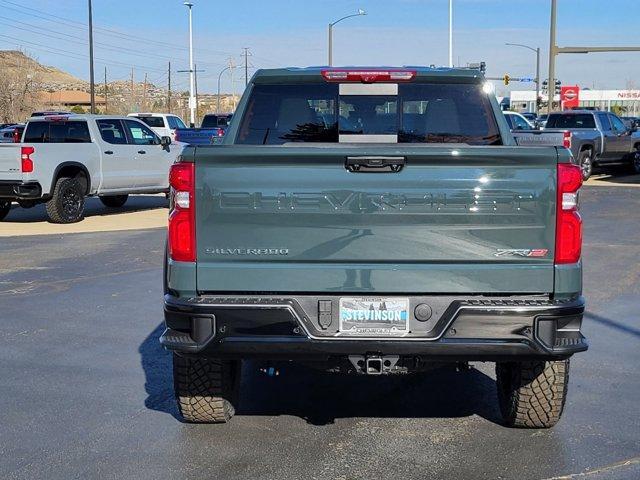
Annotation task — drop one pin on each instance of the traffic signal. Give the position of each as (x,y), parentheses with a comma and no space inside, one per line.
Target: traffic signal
(506,79)
(558,87)
(545,86)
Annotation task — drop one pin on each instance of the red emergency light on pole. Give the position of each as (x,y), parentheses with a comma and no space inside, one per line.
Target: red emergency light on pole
(569,96)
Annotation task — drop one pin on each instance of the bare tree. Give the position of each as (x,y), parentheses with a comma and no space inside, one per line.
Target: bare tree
(19,86)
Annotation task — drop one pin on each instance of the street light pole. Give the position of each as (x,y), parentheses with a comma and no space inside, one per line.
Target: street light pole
(451,33)
(551,85)
(360,13)
(220,76)
(537,52)
(91,74)
(192,81)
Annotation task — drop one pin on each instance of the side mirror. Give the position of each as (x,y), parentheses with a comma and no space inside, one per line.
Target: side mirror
(165,141)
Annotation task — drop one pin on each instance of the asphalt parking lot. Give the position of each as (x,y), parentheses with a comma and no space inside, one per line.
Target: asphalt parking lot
(86,390)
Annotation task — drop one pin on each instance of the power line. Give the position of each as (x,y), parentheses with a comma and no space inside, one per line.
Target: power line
(76,56)
(78,40)
(106,31)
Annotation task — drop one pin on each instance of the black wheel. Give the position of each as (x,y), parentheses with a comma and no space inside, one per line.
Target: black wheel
(585,161)
(4,209)
(114,201)
(532,394)
(635,162)
(67,202)
(207,389)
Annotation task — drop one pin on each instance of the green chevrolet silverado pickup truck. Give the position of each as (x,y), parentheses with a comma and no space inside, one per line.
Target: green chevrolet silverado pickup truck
(373,221)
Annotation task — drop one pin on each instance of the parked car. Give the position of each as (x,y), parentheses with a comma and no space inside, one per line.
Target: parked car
(164,124)
(220,120)
(63,159)
(6,133)
(531,117)
(517,121)
(199,136)
(595,138)
(354,245)
(631,122)
(541,121)
(11,134)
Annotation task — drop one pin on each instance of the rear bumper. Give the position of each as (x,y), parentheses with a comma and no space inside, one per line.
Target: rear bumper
(16,190)
(288,328)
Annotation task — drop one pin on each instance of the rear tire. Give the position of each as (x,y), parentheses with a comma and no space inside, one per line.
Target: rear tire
(635,162)
(532,394)
(585,162)
(207,389)
(114,201)
(67,202)
(5,207)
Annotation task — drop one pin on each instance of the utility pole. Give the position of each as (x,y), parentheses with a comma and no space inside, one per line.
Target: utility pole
(144,94)
(195,77)
(169,91)
(451,33)
(106,92)
(132,90)
(537,109)
(555,50)
(192,86)
(91,77)
(246,55)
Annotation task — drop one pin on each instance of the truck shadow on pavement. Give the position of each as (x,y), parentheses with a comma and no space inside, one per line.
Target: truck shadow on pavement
(320,398)
(93,208)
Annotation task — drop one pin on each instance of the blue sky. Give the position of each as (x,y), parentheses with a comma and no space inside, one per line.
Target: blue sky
(149,33)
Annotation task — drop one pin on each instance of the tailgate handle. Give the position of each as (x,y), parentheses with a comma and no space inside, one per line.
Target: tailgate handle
(375,164)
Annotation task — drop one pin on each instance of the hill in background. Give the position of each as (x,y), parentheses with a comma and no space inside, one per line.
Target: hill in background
(13,61)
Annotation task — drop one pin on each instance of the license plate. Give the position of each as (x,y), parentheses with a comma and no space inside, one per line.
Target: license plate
(369,316)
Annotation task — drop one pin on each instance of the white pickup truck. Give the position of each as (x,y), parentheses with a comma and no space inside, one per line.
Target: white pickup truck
(63,159)
(164,124)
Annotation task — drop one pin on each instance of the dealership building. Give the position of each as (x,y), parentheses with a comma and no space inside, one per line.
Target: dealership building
(524,100)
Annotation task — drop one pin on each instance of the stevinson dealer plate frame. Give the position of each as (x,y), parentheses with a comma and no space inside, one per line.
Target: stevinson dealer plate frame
(374,316)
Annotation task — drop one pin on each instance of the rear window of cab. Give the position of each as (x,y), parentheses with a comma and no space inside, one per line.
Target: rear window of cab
(413,113)
(74,131)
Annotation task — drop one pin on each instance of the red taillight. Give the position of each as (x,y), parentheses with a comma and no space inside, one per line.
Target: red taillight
(568,221)
(17,136)
(566,140)
(182,224)
(25,156)
(368,76)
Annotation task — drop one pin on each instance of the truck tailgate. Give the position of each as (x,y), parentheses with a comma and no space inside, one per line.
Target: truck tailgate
(455,219)
(10,163)
(539,138)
